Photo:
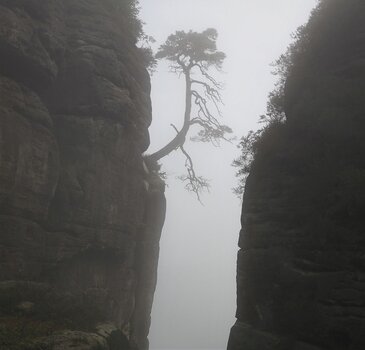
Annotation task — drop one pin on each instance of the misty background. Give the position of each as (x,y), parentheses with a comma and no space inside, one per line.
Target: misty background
(195,299)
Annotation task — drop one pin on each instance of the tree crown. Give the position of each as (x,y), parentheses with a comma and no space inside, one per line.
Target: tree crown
(192,48)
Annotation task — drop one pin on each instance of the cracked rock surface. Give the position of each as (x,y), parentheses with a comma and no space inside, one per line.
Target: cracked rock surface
(76,230)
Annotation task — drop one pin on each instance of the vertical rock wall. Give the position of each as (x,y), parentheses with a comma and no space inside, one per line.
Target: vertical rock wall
(301,266)
(80,215)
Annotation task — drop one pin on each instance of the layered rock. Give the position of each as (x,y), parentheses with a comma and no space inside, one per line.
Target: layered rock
(80,214)
(301,267)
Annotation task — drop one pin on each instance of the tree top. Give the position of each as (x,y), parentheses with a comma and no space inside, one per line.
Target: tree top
(192,48)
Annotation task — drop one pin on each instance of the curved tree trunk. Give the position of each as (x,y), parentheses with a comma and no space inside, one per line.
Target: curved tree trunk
(179,139)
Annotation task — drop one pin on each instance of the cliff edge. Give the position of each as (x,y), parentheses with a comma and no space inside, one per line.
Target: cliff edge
(301,266)
(80,214)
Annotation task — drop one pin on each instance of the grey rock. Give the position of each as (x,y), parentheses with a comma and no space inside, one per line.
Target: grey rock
(79,228)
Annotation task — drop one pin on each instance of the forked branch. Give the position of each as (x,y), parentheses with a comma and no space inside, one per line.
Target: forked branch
(192,54)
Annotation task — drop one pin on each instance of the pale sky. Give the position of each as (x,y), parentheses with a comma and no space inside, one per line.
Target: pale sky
(195,299)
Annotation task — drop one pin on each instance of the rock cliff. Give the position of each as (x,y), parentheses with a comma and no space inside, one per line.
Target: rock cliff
(80,214)
(301,266)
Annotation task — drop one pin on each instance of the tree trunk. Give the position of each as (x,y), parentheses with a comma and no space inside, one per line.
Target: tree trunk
(179,139)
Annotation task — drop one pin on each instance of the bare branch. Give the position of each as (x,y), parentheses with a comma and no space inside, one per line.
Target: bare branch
(203,71)
(210,92)
(194,183)
(204,110)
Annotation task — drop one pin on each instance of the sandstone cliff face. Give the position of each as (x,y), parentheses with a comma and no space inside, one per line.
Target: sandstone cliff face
(301,267)
(80,215)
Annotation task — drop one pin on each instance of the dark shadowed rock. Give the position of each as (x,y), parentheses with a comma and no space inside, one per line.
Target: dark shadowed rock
(79,227)
(300,270)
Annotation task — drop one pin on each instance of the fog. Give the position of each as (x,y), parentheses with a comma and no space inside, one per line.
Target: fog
(195,299)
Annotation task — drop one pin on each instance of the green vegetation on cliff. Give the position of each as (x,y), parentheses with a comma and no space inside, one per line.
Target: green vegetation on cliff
(321,80)
(301,267)
(130,8)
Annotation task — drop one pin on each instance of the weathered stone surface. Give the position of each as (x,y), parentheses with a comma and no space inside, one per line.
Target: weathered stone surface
(245,337)
(147,253)
(106,337)
(29,153)
(76,216)
(300,270)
